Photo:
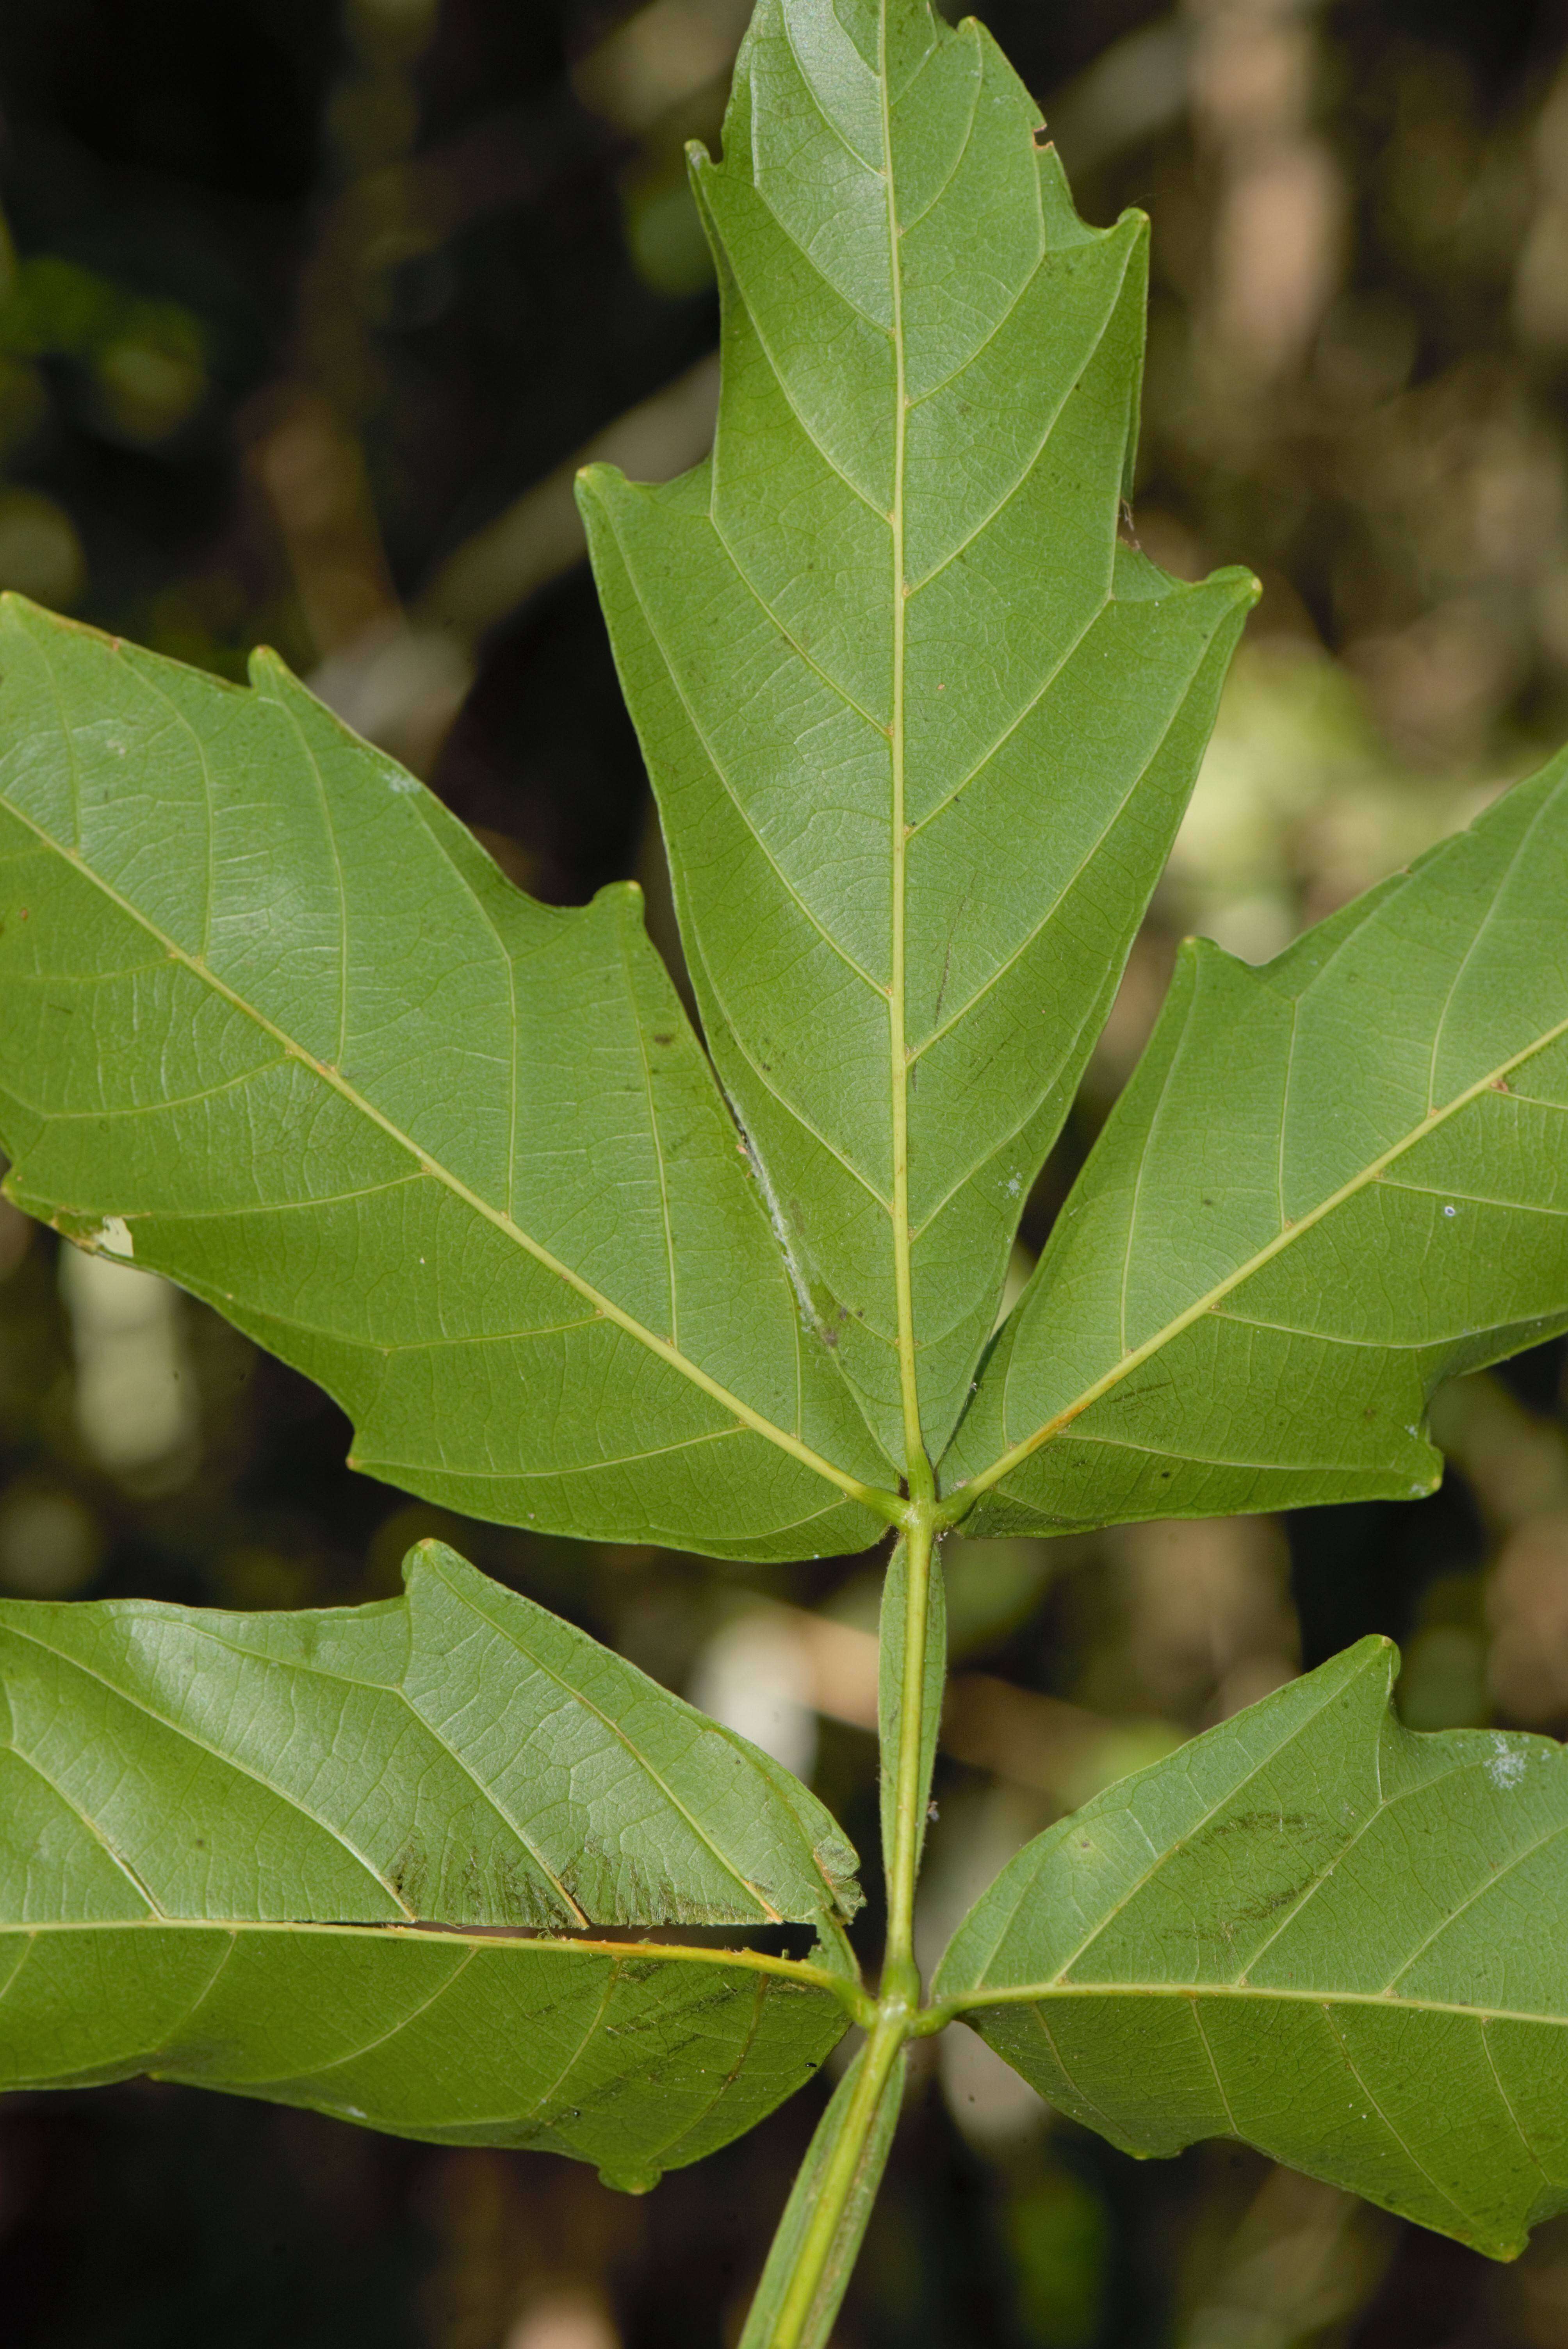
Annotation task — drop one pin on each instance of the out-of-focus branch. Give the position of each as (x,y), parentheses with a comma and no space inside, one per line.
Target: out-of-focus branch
(1137,86)
(400,680)
(541,534)
(1540,279)
(1303,2256)
(1280,202)
(311,467)
(1516,1464)
(1062,1750)
(655,60)
(1514,1461)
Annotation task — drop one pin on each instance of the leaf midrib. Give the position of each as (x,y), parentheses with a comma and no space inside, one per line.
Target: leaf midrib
(1058,1993)
(796,1970)
(883,1505)
(915,1464)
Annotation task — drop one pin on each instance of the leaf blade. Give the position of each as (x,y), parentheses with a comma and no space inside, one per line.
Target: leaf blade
(637,2057)
(1329,1185)
(458,1755)
(1236,1943)
(424,1138)
(897,583)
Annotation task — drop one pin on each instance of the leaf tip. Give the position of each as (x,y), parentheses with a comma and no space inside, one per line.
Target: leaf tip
(1377,1656)
(630,2181)
(266,666)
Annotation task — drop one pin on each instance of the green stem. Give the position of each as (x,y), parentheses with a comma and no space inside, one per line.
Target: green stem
(901,1976)
(816,2246)
(897,2016)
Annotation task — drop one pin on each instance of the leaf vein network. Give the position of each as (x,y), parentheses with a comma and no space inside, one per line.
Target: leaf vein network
(1113,816)
(579,1696)
(1398,2134)
(228,1761)
(976,83)
(722,777)
(1012,726)
(100,1835)
(1020,479)
(394,2029)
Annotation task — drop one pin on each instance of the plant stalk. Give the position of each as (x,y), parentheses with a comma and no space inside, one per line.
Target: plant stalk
(901,1976)
(898,2016)
(817,2245)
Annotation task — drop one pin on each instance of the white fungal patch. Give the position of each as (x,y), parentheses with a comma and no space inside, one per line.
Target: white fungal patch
(103,734)
(1506,1767)
(1014,1184)
(798,1281)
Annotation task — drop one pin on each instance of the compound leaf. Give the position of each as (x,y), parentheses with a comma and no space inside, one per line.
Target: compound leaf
(921,729)
(637,2056)
(273,1023)
(1331,1183)
(457,1756)
(1317,1932)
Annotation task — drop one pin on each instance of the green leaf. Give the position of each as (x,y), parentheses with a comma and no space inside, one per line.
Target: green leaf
(784,2257)
(1331,1183)
(181,1792)
(634,2056)
(1315,1932)
(271,1016)
(920,728)
(457,1756)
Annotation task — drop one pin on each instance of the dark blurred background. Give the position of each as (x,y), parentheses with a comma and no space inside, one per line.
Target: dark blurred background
(306,312)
